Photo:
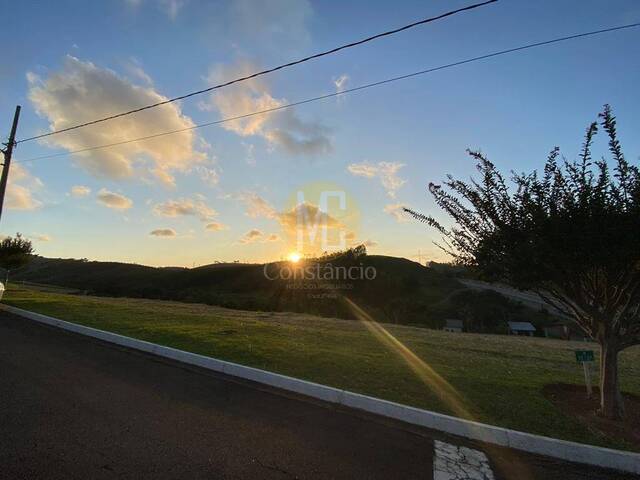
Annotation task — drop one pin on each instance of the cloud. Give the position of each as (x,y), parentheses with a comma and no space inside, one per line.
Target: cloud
(81,91)
(397,212)
(385,171)
(210,176)
(20,189)
(80,191)
(135,69)
(170,7)
(254,235)
(363,170)
(256,206)
(304,222)
(42,237)
(114,200)
(341,82)
(21,198)
(185,207)
(251,236)
(282,129)
(250,150)
(163,232)
(296,136)
(352,239)
(215,226)
(307,213)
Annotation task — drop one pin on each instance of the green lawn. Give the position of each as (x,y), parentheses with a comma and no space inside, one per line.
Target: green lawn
(500,378)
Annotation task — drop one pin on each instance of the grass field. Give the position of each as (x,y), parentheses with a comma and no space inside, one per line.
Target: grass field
(499,378)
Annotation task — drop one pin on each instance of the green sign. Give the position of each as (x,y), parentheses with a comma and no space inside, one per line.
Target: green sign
(584,356)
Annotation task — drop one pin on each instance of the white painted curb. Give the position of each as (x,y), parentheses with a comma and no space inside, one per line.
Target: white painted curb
(551,447)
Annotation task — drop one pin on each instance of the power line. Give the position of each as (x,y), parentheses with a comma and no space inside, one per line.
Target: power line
(263,72)
(344,92)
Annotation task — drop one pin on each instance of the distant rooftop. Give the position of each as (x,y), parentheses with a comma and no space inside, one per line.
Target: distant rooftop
(451,323)
(521,327)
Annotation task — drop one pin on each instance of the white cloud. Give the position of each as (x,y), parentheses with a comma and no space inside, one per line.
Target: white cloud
(114,200)
(21,198)
(163,232)
(352,239)
(185,207)
(341,82)
(170,7)
(304,221)
(42,238)
(215,227)
(250,150)
(20,189)
(256,206)
(251,236)
(81,91)
(363,170)
(210,176)
(385,171)
(290,219)
(254,235)
(135,70)
(282,129)
(80,191)
(397,212)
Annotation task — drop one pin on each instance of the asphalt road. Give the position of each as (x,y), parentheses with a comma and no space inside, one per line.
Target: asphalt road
(74,407)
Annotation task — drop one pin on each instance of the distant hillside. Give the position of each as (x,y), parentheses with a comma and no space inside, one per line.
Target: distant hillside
(401,292)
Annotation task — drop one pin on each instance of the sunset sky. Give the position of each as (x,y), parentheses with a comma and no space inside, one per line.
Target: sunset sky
(227,192)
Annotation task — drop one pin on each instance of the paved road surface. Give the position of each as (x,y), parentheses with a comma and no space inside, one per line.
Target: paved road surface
(74,407)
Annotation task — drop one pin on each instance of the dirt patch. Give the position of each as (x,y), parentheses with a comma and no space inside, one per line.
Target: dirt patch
(572,401)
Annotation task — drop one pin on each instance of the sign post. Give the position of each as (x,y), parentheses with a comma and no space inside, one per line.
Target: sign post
(586,357)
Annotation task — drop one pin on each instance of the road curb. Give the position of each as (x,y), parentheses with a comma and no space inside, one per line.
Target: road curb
(551,447)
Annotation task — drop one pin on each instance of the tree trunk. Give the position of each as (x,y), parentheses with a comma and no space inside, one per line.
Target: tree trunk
(611,403)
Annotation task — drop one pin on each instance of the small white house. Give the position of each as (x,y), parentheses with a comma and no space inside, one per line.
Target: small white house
(521,328)
(452,325)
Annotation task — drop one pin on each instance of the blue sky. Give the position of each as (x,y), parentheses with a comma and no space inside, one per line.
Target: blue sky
(222,193)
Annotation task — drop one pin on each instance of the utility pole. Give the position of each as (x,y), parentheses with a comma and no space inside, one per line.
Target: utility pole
(7,157)
(419,256)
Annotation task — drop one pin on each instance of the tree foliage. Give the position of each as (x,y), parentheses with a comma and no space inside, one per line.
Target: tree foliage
(15,252)
(570,233)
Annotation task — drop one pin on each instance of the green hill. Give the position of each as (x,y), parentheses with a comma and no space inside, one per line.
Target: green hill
(401,291)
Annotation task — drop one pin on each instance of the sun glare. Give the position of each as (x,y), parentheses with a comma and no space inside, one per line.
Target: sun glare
(294,257)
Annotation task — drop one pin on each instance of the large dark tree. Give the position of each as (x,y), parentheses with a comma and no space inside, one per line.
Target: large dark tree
(14,252)
(570,233)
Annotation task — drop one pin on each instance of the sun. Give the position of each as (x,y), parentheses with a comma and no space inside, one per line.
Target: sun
(294,257)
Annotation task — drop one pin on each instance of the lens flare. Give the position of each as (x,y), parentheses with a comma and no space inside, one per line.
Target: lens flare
(294,257)
(506,461)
